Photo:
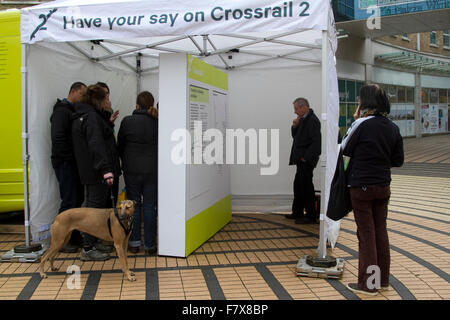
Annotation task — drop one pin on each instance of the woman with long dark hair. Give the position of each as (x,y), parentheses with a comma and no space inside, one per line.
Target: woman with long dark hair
(97,159)
(138,148)
(374,145)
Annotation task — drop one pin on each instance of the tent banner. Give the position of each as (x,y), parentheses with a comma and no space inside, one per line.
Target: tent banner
(60,21)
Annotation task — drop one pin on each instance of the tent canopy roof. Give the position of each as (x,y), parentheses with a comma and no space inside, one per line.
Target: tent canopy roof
(249,33)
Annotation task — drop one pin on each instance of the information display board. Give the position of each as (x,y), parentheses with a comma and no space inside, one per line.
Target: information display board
(194,200)
(434,118)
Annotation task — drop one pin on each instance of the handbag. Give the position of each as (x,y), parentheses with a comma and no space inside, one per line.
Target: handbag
(339,203)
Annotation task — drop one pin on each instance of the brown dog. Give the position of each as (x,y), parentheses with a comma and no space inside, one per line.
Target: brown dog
(101,223)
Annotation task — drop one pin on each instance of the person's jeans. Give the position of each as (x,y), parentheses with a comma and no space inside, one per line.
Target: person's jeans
(97,196)
(142,189)
(370,208)
(304,196)
(71,192)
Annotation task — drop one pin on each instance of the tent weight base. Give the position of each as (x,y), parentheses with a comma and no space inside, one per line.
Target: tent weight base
(24,254)
(314,267)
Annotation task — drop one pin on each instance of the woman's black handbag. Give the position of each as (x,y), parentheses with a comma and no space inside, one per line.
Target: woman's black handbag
(339,203)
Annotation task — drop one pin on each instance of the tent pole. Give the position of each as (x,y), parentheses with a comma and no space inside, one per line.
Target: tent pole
(138,72)
(28,252)
(25,156)
(322,250)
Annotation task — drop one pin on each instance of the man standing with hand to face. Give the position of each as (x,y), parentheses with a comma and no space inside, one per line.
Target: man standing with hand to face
(305,152)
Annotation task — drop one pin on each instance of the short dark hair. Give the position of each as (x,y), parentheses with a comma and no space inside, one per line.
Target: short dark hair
(301,102)
(76,86)
(373,97)
(103,85)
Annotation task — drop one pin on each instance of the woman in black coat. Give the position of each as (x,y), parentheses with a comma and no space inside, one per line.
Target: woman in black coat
(97,159)
(138,149)
(374,145)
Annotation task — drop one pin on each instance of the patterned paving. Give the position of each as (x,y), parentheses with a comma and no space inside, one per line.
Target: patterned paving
(254,257)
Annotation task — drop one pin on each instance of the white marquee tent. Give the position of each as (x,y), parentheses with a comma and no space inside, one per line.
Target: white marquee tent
(272,51)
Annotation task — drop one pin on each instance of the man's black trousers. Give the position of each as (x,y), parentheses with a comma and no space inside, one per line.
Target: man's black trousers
(304,196)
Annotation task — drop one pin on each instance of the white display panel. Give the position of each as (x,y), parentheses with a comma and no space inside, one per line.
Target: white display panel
(194,199)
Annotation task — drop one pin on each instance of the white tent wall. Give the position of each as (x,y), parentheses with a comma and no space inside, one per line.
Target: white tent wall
(262,99)
(51,71)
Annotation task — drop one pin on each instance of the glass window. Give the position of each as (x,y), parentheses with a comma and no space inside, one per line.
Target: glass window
(410,95)
(351,87)
(401,94)
(392,94)
(351,109)
(443,96)
(433,96)
(359,84)
(425,95)
(446,38)
(433,37)
(343,115)
(342,91)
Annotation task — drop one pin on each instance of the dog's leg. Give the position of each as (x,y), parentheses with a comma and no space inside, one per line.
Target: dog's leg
(42,264)
(125,246)
(52,257)
(123,260)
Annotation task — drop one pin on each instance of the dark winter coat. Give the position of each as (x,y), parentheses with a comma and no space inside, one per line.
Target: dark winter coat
(61,132)
(307,142)
(94,145)
(138,143)
(374,147)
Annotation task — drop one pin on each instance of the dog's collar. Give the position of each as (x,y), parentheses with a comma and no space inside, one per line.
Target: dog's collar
(128,218)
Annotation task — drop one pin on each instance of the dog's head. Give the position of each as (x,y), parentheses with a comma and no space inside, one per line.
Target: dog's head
(126,208)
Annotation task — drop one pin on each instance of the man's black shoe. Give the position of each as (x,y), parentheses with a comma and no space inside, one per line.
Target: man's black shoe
(291,216)
(305,220)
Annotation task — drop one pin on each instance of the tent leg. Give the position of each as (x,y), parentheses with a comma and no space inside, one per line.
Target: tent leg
(27,252)
(322,250)
(322,266)
(25,144)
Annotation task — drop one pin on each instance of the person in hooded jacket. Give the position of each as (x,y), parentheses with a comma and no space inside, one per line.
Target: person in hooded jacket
(63,159)
(138,148)
(97,159)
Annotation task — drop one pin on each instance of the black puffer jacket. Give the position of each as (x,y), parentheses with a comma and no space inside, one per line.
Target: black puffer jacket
(138,143)
(94,145)
(61,132)
(307,142)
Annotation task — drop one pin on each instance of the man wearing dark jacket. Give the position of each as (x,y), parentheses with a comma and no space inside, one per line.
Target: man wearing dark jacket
(305,152)
(63,160)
